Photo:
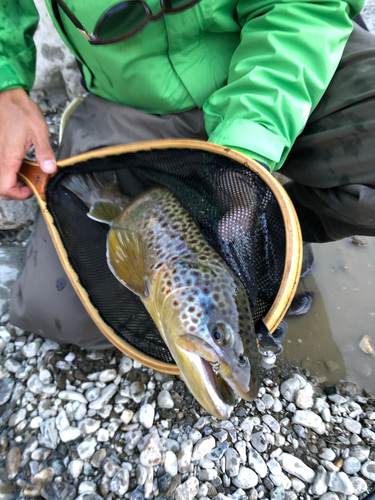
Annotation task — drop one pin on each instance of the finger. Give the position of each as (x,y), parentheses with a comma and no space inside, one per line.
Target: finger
(18,191)
(43,152)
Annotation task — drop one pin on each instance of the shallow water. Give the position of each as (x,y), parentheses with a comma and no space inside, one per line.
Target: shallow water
(325,340)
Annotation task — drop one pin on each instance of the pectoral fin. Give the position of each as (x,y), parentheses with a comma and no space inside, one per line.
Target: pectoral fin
(104,211)
(126,259)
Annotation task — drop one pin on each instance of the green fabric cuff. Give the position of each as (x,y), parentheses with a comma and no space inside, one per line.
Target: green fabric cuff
(11,78)
(251,137)
(259,158)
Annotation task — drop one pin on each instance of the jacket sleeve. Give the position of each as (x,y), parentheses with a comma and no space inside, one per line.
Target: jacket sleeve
(288,53)
(18,22)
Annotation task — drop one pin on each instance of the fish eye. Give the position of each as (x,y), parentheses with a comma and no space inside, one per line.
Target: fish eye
(221,335)
(241,360)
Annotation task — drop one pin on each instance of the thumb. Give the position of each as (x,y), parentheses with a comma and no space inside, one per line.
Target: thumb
(44,154)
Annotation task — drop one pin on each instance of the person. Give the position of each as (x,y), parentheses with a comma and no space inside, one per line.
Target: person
(288,82)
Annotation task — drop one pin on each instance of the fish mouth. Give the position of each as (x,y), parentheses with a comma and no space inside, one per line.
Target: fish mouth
(204,381)
(229,387)
(212,393)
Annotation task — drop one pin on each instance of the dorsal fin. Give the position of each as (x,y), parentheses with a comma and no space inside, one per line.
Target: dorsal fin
(104,211)
(126,259)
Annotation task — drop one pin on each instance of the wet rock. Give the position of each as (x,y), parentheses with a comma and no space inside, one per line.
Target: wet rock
(62,421)
(218,452)
(13,461)
(352,426)
(125,366)
(272,423)
(245,479)
(359,485)
(146,416)
(92,394)
(4,338)
(97,458)
(327,454)
(120,482)
(70,434)
(367,433)
(48,434)
(360,452)
(34,384)
(304,397)
(351,465)
(187,490)
(340,483)
(203,447)
(44,476)
(87,448)
(110,467)
(309,419)
(126,416)
(184,456)
(6,388)
(170,463)
(18,417)
(295,466)
(72,396)
(259,442)
(329,496)
(103,435)
(31,350)
(12,365)
(86,488)
(58,491)
(366,345)
(368,470)
(152,454)
(105,396)
(232,462)
(277,493)
(89,425)
(289,388)
(108,375)
(165,400)
(45,376)
(137,391)
(320,484)
(167,485)
(257,463)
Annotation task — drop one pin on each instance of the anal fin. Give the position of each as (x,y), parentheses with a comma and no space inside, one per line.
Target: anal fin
(126,259)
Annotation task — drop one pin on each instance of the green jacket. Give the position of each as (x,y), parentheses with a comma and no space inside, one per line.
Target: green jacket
(256,67)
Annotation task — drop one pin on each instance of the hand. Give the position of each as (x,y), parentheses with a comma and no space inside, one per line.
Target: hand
(21,124)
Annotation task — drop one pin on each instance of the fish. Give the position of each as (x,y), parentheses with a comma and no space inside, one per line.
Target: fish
(200,307)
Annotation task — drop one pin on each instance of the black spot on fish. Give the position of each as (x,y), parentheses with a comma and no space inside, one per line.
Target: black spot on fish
(60,284)
(58,324)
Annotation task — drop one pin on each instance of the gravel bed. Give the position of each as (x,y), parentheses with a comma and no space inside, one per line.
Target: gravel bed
(84,425)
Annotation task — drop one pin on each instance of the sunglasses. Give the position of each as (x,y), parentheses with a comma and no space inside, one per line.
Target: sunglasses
(125,19)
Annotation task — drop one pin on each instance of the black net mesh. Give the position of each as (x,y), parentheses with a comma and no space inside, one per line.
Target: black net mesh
(233,207)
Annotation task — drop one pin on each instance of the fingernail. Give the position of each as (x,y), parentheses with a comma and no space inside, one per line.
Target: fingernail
(49,166)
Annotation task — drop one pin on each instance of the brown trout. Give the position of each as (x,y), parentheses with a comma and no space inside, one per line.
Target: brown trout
(199,306)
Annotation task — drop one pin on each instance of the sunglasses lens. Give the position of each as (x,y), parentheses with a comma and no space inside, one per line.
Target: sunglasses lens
(121,19)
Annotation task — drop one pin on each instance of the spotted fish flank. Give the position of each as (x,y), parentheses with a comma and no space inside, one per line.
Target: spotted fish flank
(199,306)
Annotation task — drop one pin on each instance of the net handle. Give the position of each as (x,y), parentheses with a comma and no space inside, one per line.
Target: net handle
(32,175)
